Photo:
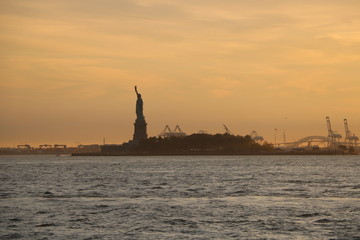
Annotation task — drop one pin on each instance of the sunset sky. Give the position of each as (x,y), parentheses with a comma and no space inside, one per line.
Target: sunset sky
(68,68)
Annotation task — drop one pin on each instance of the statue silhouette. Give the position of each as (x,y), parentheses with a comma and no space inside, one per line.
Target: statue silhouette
(139,106)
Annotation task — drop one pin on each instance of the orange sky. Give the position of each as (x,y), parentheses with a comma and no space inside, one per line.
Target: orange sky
(68,68)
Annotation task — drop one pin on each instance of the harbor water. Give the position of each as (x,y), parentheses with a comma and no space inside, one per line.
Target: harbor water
(180,197)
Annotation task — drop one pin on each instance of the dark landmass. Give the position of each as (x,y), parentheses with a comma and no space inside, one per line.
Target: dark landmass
(201,144)
(81,149)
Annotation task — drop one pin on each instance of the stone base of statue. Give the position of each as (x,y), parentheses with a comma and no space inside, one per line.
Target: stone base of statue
(140,130)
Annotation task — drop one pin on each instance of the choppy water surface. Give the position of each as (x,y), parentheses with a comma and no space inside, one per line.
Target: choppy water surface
(217,197)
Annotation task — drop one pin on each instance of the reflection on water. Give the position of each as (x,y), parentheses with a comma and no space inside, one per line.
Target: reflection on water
(202,197)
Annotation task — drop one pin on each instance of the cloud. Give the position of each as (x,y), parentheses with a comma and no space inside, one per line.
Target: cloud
(345,38)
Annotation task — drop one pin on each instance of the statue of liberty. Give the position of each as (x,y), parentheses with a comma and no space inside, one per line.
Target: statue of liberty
(139,106)
(140,132)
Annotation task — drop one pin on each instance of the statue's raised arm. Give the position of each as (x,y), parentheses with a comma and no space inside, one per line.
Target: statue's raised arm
(137,93)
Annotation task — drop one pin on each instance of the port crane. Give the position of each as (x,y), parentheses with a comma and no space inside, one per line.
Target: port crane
(177,132)
(167,132)
(348,136)
(227,131)
(333,135)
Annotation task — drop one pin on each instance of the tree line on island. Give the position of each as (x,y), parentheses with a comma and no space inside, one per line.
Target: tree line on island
(198,144)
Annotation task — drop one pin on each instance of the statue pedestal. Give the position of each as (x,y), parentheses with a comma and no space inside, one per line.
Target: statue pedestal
(140,130)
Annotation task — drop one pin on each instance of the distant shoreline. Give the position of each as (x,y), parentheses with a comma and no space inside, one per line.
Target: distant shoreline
(100,154)
(218,154)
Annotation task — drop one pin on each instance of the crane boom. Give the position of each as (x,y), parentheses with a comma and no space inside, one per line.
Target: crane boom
(347,131)
(330,131)
(227,131)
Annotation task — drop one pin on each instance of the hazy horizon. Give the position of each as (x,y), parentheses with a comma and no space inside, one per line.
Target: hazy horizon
(68,68)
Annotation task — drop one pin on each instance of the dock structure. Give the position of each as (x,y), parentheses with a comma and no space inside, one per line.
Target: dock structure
(167,132)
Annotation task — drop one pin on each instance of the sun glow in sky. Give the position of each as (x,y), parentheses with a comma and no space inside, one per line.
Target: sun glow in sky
(68,68)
